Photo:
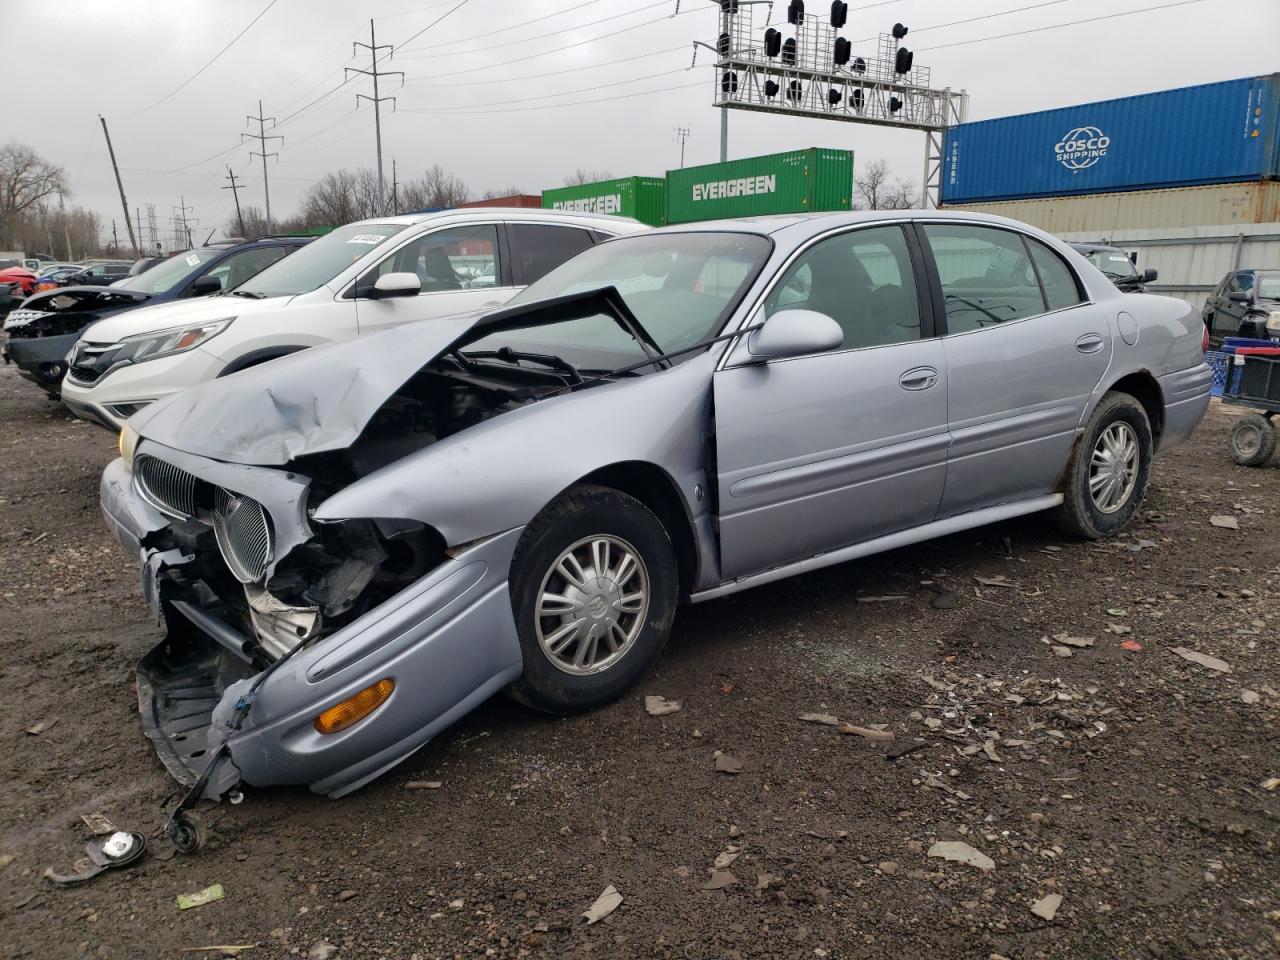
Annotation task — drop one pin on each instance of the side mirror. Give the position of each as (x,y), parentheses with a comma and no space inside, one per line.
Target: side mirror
(396,285)
(795,333)
(1149,275)
(1239,296)
(207,284)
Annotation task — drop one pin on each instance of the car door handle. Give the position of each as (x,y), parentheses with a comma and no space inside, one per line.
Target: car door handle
(1089,343)
(921,378)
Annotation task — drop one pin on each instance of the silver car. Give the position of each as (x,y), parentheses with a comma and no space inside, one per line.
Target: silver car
(354,546)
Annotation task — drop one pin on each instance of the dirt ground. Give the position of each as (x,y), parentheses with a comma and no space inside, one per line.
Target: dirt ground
(1100,765)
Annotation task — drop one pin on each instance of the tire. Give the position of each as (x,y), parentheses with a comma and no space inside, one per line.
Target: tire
(565,669)
(1082,514)
(1252,440)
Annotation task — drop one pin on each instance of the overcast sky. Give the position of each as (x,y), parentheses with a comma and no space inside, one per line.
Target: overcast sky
(66,62)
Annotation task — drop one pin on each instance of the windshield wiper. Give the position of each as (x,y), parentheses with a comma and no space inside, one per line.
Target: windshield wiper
(251,294)
(510,355)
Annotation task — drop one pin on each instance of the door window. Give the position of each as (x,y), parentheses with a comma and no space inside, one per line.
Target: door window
(455,258)
(541,248)
(1240,283)
(986,276)
(1060,287)
(863,280)
(239,267)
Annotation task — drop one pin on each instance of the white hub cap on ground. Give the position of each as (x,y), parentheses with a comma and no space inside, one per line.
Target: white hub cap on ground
(592,605)
(1113,467)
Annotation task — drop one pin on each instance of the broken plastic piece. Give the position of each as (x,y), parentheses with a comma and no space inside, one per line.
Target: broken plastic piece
(122,849)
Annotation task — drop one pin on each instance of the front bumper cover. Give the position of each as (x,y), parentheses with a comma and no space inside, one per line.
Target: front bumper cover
(42,360)
(448,641)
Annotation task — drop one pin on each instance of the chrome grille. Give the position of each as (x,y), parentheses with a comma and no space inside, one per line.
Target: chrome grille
(244,534)
(167,488)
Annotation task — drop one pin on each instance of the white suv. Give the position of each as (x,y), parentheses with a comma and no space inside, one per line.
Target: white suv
(360,278)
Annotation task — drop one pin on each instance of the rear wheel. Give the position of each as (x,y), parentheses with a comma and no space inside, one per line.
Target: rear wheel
(593,590)
(1252,440)
(1107,478)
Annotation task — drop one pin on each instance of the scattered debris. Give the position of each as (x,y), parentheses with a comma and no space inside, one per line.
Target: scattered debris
(1203,659)
(1270,783)
(725,860)
(1067,640)
(1046,908)
(997,581)
(322,950)
(1117,612)
(121,849)
(869,733)
(763,880)
(1227,523)
(906,751)
(99,824)
(961,852)
(943,600)
(824,718)
(1118,629)
(223,949)
(727,764)
(38,728)
(198,899)
(1249,696)
(727,687)
(660,706)
(346,895)
(424,784)
(1133,645)
(989,748)
(605,904)
(6,859)
(888,867)
(721,879)
(887,598)
(1061,651)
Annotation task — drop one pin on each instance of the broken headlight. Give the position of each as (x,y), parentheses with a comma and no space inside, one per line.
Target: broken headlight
(166,343)
(128,443)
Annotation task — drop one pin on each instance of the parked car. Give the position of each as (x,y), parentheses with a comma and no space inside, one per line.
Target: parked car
(20,278)
(357,279)
(97,274)
(52,274)
(1117,265)
(1245,303)
(143,264)
(353,547)
(46,327)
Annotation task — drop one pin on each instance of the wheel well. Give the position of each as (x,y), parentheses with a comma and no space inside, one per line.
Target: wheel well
(1142,387)
(656,490)
(255,357)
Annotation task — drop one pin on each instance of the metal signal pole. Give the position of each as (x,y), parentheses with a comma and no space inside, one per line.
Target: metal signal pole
(262,138)
(235,192)
(124,204)
(373,71)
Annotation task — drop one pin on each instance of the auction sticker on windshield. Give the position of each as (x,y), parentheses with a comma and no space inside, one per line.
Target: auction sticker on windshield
(369,238)
(193,261)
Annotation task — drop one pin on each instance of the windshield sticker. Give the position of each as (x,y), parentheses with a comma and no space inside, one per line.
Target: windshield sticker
(1116,259)
(193,261)
(369,238)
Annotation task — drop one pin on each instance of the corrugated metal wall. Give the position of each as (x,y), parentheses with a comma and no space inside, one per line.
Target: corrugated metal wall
(1228,203)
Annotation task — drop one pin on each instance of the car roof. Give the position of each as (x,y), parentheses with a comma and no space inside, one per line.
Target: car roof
(504,213)
(814,223)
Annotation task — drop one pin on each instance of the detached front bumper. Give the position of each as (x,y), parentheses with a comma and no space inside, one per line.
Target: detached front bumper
(448,642)
(42,360)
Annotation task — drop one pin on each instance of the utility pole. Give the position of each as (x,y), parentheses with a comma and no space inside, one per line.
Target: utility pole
(373,71)
(138,212)
(395,199)
(236,193)
(66,227)
(115,240)
(181,221)
(682,134)
(124,204)
(262,138)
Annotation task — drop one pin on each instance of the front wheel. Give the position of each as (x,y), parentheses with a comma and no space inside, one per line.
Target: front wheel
(1107,477)
(593,590)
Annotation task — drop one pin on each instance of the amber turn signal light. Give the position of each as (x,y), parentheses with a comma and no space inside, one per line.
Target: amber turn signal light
(356,708)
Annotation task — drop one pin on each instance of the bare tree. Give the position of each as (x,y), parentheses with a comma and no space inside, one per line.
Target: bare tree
(332,200)
(26,179)
(902,195)
(581,176)
(502,192)
(436,188)
(876,191)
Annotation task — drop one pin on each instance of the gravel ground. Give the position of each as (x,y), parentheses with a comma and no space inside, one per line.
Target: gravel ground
(1059,734)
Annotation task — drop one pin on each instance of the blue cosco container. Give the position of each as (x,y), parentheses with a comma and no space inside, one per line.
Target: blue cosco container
(1213,133)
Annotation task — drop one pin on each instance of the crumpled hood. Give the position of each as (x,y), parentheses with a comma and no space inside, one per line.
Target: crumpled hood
(308,402)
(175,313)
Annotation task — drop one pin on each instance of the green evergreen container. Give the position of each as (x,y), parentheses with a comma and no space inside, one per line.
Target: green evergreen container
(800,181)
(644,198)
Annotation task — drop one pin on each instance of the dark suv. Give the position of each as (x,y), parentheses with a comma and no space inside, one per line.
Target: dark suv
(1117,265)
(1246,303)
(43,330)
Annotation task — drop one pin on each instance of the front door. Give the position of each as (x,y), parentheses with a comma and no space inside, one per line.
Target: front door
(1024,352)
(461,271)
(818,452)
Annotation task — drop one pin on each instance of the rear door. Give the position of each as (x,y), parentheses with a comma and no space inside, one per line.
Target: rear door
(538,248)
(461,270)
(1024,351)
(818,452)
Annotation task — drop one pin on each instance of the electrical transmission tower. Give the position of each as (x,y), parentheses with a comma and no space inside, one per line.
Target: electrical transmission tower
(153,233)
(235,192)
(262,138)
(681,135)
(376,100)
(182,223)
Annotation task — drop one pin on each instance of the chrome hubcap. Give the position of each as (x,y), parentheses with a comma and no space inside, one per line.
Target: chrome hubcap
(592,605)
(1113,467)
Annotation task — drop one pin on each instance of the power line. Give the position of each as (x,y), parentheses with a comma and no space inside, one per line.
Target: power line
(262,137)
(545,96)
(525,23)
(1058,26)
(438,19)
(229,45)
(682,48)
(578,103)
(373,47)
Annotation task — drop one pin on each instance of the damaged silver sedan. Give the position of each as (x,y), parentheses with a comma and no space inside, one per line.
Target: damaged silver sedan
(352,547)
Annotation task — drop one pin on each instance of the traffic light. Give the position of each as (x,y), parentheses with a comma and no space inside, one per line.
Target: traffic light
(833,96)
(840,55)
(722,45)
(771,88)
(772,42)
(894,104)
(789,52)
(729,82)
(794,90)
(839,14)
(859,65)
(857,99)
(899,31)
(795,12)
(902,62)
(729,6)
